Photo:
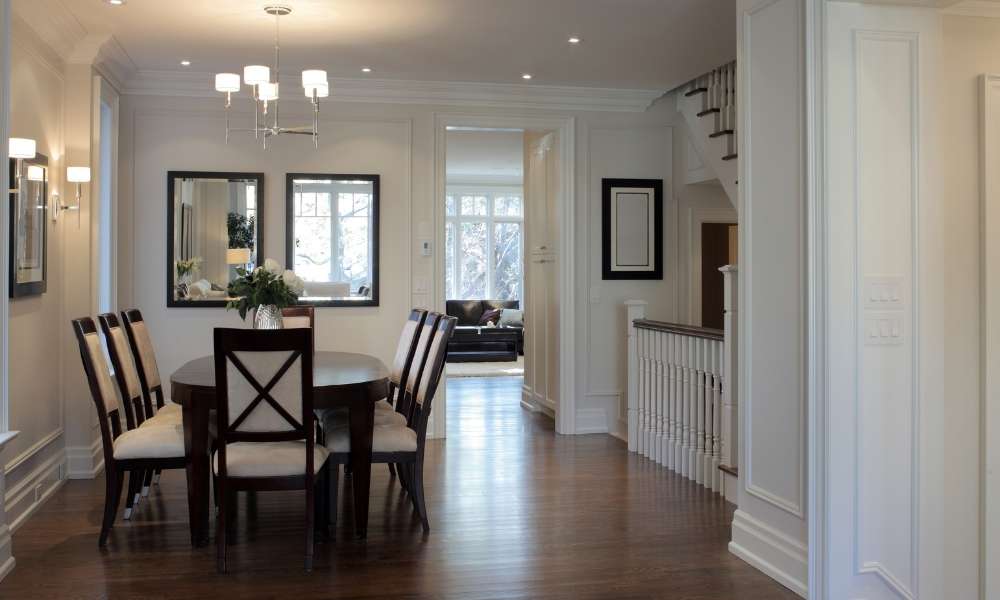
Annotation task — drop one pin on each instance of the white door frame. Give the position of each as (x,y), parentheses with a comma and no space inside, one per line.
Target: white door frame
(990,343)
(565,411)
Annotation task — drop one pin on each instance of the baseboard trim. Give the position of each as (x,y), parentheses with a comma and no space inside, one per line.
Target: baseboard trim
(771,552)
(5,551)
(83,462)
(31,493)
(591,420)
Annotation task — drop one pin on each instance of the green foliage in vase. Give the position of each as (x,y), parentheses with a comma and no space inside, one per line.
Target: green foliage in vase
(268,284)
(187,266)
(240,230)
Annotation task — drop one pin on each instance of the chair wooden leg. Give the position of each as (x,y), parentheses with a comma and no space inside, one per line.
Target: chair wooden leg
(220,531)
(232,513)
(310,523)
(404,475)
(322,503)
(418,493)
(132,497)
(147,481)
(156,477)
(392,470)
(114,480)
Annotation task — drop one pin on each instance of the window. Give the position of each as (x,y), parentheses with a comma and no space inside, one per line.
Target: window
(484,244)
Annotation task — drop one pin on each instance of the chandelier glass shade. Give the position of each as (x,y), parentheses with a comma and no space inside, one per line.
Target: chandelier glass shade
(263,81)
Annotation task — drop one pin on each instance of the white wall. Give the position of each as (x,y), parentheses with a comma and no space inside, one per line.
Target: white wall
(770,528)
(903,208)
(161,133)
(34,462)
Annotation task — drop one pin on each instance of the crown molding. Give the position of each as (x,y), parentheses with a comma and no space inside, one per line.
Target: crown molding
(974,8)
(53,24)
(395,91)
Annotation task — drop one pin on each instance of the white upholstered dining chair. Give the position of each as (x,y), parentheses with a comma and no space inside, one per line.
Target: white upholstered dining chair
(134,451)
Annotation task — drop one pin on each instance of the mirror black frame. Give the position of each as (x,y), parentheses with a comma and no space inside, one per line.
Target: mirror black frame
(30,288)
(173,175)
(290,232)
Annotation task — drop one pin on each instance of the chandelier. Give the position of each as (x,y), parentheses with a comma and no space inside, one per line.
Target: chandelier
(265,92)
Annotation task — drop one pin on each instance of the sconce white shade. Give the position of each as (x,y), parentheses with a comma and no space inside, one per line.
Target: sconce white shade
(322,91)
(237,256)
(313,78)
(268,91)
(21,148)
(36,173)
(256,74)
(227,82)
(78,174)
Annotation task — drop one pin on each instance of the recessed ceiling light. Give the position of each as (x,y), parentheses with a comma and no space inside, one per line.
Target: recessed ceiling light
(526,76)
(115,2)
(185,63)
(366,69)
(574,40)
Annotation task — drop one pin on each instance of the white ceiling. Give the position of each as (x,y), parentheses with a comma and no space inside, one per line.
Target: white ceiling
(641,44)
(490,157)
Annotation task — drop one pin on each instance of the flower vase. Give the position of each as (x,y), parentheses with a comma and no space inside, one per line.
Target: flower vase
(267,316)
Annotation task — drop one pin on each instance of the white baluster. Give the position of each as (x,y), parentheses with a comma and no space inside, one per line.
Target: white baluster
(692,448)
(671,394)
(661,438)
(654,398)
(699,455)
(634,309)
(643,365)
(679,396)
(717,417)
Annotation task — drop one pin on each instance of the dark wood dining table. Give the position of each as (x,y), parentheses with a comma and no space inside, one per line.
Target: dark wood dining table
(356,381)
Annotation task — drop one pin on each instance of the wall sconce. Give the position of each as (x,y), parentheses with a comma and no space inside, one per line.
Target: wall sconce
(19,149)
(79,176)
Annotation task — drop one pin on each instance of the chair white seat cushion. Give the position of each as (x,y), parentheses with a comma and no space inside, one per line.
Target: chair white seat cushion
(150,442)
(164,418)
(169,407)
(385,438)
(333,419)
(269,459)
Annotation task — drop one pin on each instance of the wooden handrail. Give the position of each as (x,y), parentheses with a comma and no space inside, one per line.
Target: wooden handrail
(689,330)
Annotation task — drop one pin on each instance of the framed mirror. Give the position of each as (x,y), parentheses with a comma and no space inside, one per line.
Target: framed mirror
(332,237)
(213,228)
(29,180)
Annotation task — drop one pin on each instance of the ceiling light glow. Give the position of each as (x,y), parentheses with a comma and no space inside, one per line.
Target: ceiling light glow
(185,63)
(574,40)
(366,69)
(526,76)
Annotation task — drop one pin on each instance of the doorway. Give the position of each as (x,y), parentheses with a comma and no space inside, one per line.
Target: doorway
(719,242)
(498,225)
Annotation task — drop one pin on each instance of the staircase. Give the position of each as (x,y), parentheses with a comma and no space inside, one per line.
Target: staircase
(708,104)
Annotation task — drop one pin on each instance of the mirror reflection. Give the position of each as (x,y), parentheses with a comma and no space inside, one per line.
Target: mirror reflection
(332,236)
(214,229)
(29,178)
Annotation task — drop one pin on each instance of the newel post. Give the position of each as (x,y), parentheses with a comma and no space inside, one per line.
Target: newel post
(635,309)
(730,404)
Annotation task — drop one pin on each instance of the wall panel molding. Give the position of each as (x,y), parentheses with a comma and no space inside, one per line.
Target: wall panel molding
(772,14)
(887,158)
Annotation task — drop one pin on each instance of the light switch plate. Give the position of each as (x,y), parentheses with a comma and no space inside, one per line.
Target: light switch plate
(884,329)
(426,248)
(884,292)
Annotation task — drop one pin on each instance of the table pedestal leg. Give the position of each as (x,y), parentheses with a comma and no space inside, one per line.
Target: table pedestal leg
(362,424)
(195,414)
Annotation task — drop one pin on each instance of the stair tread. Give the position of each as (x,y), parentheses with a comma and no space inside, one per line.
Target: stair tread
(700,90)
(730,156)
(709,111)
(734,471)
(721,133)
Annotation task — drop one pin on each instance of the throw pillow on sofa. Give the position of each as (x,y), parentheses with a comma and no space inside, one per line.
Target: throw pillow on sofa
(511,317)
(490,316)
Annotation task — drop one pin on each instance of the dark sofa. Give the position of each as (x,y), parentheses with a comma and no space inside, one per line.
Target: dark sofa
(473,342)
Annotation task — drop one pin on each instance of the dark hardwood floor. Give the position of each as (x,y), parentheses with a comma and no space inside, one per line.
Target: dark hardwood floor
(515,511)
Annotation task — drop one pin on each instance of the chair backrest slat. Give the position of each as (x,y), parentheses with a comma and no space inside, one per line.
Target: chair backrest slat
(405,350)
(102,388)
(298,317)
(264,384)
(427,330)
(126,373)
(141,344)
(431,376)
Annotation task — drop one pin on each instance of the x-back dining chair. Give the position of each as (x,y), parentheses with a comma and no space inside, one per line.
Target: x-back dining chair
(134,451)
(264,391)
(296,317)
(403,444)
